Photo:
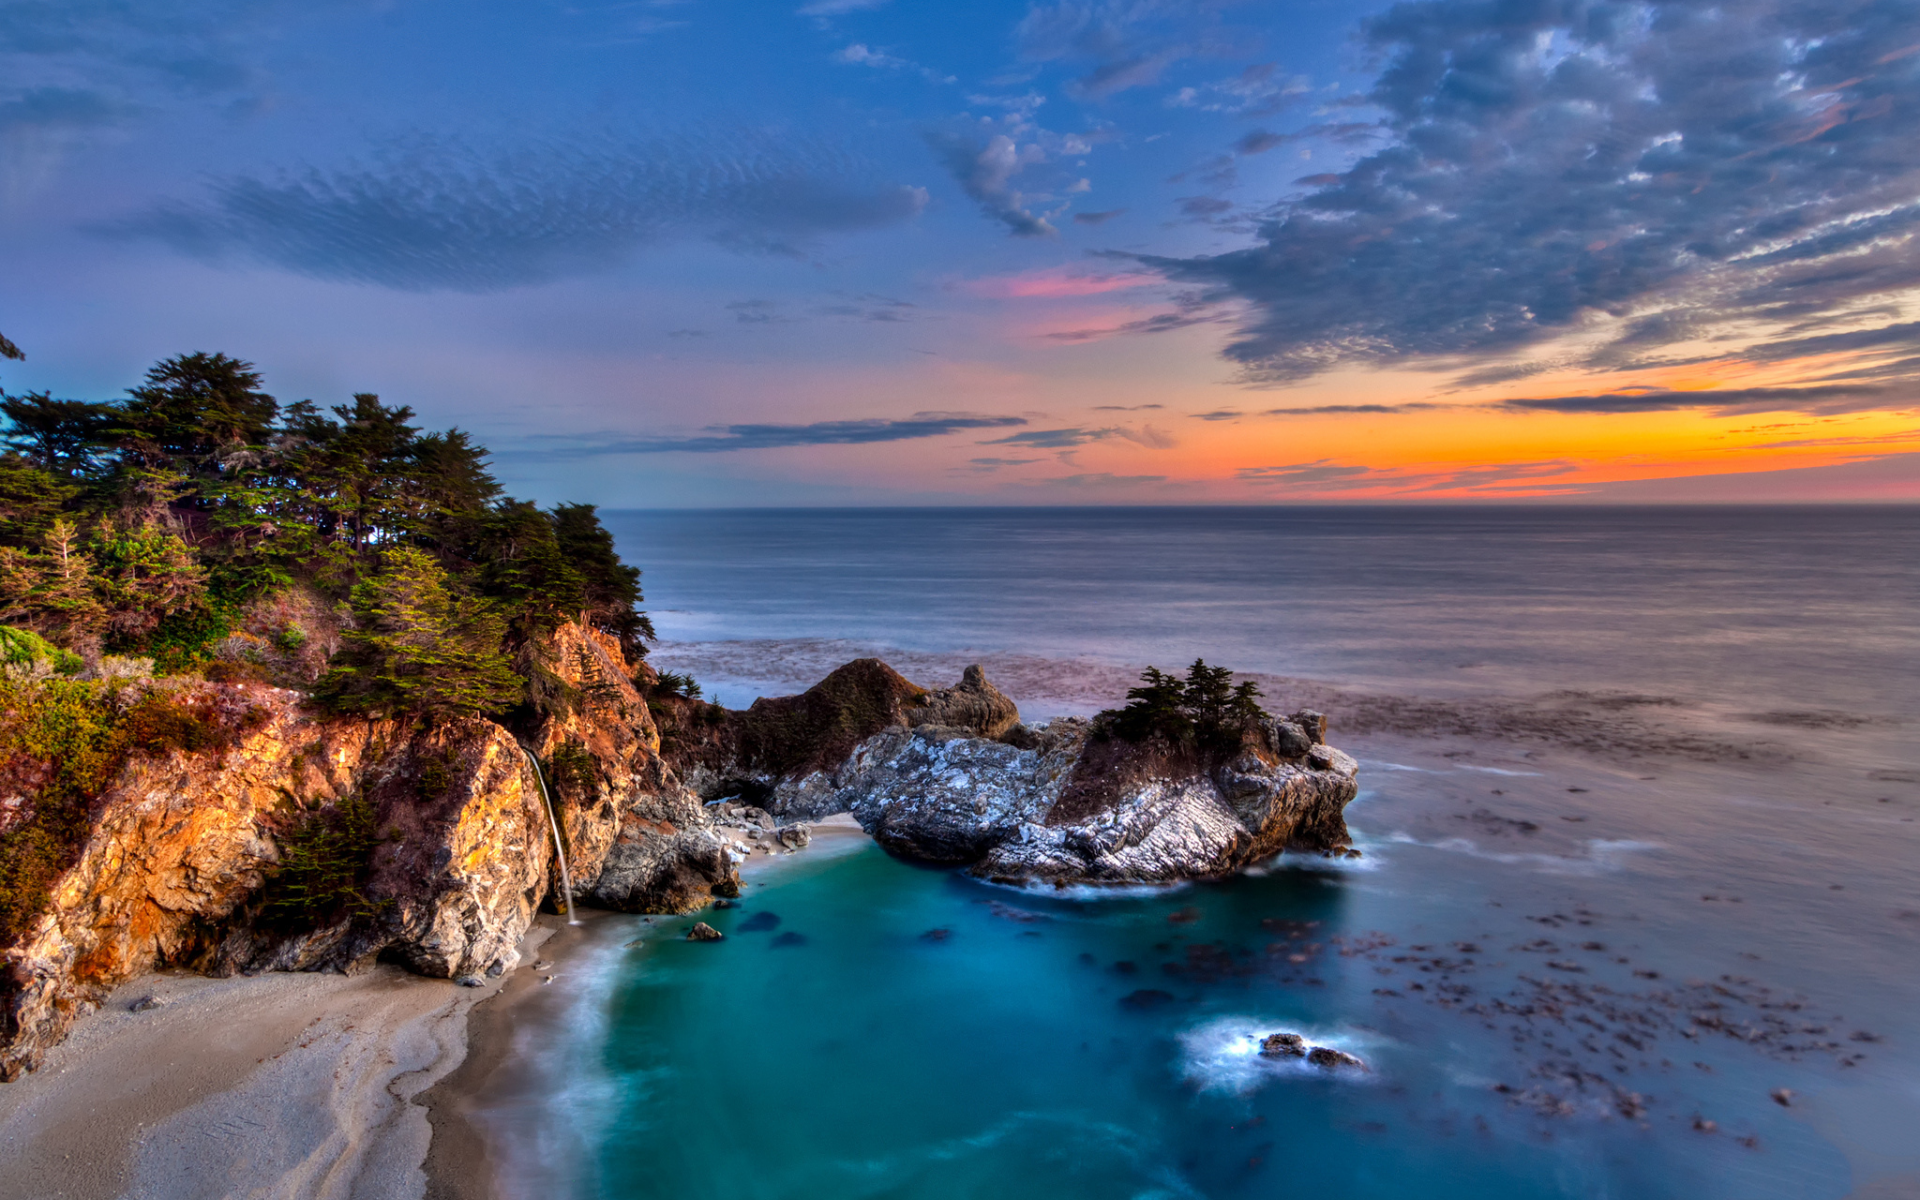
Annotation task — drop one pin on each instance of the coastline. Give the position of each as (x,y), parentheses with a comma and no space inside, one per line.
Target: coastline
(499,1073)
(387,1084)
(287,1084)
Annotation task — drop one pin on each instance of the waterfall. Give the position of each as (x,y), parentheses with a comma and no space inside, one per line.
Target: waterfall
(559,849)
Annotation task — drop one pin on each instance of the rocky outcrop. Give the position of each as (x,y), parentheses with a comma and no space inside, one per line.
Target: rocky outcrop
(781,753)
(184,858)
(973,704)
(176,865)
(639,840)
(952,776)
(1066,803)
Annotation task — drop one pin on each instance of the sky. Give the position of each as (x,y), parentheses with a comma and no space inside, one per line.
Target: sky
(693,253)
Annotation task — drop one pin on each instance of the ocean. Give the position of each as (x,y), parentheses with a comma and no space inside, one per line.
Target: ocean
(1636,917)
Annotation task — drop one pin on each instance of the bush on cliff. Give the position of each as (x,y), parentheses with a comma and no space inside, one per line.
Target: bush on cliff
(1204,709)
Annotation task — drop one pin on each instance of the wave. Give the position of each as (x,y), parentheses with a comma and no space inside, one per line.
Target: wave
(1603,856)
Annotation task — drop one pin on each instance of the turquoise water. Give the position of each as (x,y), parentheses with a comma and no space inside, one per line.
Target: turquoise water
(1571,974)
(836,1045)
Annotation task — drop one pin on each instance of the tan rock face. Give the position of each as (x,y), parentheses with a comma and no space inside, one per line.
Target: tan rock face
(179,865)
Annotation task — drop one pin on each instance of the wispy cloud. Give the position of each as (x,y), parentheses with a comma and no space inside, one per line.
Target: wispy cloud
(1691,173)
(1829,398)
(1325,475)
(1056,282)
(725,438)
(1061,439)
(984,164)
(441,216)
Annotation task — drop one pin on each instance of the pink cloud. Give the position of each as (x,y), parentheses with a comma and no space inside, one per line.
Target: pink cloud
(1054,283)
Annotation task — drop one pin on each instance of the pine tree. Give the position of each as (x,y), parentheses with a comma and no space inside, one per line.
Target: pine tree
(421,647)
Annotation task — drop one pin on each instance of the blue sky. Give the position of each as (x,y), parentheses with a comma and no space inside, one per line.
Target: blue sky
(689,252)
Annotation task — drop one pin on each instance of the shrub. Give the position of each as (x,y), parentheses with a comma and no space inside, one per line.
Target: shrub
(324,863)
(22,648)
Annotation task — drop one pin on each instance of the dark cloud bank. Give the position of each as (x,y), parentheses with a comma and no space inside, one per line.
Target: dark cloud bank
(1687,167)
(442,216)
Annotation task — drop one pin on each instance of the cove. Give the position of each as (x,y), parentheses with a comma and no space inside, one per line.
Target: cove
(870,1028)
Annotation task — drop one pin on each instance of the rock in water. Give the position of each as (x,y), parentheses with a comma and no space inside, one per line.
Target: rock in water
(146,1004)
(1067,803)
(1330,1059)
(703,932)
(1283,1045)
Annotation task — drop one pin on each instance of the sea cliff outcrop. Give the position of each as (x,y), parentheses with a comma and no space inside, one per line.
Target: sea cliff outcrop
(951,776)
(1068,802)
(276,839)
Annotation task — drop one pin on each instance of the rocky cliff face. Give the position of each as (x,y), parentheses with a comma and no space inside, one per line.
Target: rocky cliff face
(781,753)
(185,860)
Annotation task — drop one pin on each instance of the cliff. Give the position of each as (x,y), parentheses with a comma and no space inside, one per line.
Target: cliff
(258,836)
(237,831)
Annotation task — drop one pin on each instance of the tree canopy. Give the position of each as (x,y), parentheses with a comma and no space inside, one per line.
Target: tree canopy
(148,524)
(1204,708)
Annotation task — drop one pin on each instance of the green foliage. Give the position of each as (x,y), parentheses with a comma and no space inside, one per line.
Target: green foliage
(421,648)
(571,769)
(148,525)
(675,683)
(62,741)
(24,648)
(324,863)
(1205,708)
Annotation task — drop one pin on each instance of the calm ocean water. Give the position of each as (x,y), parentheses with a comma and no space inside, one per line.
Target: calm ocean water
(1572,975)
(1797,606)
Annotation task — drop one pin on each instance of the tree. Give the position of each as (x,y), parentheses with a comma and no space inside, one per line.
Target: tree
(610,588)
(421,647)
(194,412)
(9,350)
(1206,707)
(56,435)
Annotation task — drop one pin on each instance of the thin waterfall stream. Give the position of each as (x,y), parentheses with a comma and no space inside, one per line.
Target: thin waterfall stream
(559,847)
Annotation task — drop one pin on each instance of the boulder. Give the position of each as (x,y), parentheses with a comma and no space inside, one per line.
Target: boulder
(1283,1045)
(973,704)
(1327,1058)
(703,932)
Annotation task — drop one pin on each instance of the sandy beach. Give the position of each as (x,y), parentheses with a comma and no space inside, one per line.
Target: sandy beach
(272,1086)
(298,1085)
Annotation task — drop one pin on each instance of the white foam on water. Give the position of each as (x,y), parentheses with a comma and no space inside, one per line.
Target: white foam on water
(1496,770)
(537,1142)
(1223,1055)
(1603,856)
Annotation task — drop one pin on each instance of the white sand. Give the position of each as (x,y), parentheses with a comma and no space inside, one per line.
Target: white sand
(272,1086)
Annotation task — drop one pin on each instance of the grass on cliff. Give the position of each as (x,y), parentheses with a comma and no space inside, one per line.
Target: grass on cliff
(62,743)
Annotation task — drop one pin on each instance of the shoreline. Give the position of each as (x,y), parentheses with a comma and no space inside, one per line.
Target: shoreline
(378,1084)
(494,1076)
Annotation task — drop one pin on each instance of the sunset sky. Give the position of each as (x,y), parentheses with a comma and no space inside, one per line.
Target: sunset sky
(692,252)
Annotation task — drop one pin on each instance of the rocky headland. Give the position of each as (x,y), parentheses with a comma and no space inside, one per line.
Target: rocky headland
(270,837)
